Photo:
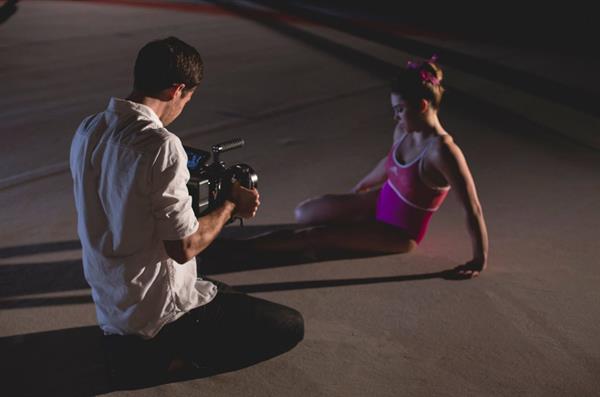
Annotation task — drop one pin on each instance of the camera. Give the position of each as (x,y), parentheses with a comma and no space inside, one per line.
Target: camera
(210,184)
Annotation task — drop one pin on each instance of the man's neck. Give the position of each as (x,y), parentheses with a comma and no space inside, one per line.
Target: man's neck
(156,104)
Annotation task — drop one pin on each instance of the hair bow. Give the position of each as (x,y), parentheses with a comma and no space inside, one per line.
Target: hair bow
(424,74)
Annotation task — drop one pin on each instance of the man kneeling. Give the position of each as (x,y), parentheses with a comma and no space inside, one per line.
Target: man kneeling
(140,237)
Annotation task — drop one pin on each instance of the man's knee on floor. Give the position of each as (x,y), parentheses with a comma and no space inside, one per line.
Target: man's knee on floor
(290,326)
(295,323)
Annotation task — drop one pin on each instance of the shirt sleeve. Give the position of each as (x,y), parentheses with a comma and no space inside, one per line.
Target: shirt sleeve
(171,202)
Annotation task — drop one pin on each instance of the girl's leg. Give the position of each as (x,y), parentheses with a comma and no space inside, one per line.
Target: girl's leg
(338,208)
(345,223)
(362,237)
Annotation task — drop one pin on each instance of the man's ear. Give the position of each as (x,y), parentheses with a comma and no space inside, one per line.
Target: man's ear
(175,91)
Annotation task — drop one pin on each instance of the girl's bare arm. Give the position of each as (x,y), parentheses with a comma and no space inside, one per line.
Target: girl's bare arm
(373,179)
(378,175)
(450,161)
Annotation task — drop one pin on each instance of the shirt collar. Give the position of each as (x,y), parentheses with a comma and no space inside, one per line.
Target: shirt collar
(124,106)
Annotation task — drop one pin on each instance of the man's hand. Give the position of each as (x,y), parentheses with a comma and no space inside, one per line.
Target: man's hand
(246,201)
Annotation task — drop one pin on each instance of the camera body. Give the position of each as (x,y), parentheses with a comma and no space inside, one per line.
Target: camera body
(210,184)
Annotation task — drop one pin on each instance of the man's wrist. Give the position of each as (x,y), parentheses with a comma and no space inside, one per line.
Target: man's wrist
(229,207)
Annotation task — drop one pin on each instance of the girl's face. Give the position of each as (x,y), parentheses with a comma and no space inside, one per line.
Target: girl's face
(406,117)
(399,109)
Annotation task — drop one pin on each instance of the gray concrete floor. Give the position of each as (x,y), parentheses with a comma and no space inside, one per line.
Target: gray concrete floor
(313,123)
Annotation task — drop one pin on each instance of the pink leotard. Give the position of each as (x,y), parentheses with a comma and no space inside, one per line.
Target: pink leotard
(406,200)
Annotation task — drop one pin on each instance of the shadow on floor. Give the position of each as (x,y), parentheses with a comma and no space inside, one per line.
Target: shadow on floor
(7,10)
(56,363)
(71,362)
(223,257)
(17,280)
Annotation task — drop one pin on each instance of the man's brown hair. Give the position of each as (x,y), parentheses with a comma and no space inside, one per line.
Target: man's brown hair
(162,63)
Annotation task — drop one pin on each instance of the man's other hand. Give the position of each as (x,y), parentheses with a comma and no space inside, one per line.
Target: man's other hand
(246,201)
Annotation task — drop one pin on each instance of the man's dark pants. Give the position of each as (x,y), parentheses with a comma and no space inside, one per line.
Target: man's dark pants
(234,330)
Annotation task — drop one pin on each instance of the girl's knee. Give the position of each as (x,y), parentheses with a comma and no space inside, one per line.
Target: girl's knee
(311,211)
(302,214)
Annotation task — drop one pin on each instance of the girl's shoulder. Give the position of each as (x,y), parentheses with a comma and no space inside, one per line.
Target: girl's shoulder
(440,142)
(442,147)
(444,138)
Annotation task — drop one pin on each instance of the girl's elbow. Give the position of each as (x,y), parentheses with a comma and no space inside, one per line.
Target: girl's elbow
(477,211)
(473,209)
(474,214)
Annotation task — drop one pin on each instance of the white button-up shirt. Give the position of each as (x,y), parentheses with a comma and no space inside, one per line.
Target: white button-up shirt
(129,175)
